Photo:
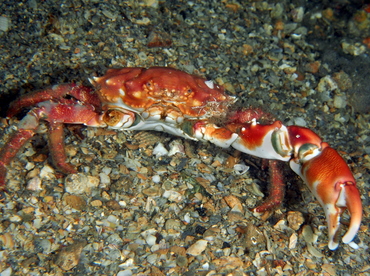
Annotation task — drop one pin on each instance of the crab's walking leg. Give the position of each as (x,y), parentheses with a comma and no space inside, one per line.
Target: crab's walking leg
(26,129)
(57,92)
(276,188)
(10,151)
(57,114)
(56,143)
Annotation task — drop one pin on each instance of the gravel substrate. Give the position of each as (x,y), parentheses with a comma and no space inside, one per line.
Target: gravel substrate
(131,210)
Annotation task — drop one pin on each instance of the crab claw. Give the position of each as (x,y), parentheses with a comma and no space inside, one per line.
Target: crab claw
(331,181)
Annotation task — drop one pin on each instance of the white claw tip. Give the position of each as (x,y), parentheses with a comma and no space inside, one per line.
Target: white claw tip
(354,245)
(333,245)
(351,233)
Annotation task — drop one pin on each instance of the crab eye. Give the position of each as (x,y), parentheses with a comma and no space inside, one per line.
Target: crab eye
(148,84)
(188,91)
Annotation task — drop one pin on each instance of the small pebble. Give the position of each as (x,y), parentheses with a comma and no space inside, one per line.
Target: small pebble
(152,258)
(69,256)
(126,272)
(295,219)
(96,203)
(340,101)
(234,203)
(197,248)
(156,178)
(7,241)
(173,196)
(34,184)
(80,183)
(47,172)
(293,241)
(75,202)
(4,23)
(7,272)
(104,179)
(173,224)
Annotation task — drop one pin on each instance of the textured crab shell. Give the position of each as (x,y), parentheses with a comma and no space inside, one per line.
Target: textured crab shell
(160,88)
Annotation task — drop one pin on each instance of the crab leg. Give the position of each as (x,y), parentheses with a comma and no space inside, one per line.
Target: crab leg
(276,188)
(81,93)
(8,153)
(321,167)
(56,142)
(57,114)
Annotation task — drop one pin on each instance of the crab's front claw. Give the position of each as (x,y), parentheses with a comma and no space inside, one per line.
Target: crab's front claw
(331,181)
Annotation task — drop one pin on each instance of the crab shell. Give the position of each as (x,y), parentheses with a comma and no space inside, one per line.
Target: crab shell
(163,92)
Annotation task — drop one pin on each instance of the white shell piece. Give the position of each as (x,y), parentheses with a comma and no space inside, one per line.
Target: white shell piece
(176,147)
(7,272)
(293,241)
(240,169)
(314,251)
(173,196)
(34,184)
(156,178)
(197,248)
(160,150)
(210,84)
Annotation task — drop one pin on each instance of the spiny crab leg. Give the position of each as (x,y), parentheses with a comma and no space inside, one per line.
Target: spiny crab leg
(81,93)
(8,153)
(56,142)
(57,114)
(276,188)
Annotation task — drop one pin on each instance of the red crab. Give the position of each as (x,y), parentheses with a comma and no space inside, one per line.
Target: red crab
(169,100)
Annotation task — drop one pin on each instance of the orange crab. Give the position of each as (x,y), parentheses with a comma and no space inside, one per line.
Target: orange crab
(170,100)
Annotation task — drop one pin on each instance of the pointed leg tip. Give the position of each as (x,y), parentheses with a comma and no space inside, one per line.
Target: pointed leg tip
(354,245)
(333,245)
(350,235)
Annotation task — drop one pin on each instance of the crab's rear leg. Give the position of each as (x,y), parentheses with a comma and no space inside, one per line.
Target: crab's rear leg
(56,144)
(56,92)
(276,188)
(57,114)
(10,150)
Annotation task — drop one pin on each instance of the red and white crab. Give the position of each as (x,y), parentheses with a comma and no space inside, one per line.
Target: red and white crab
(169,100)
